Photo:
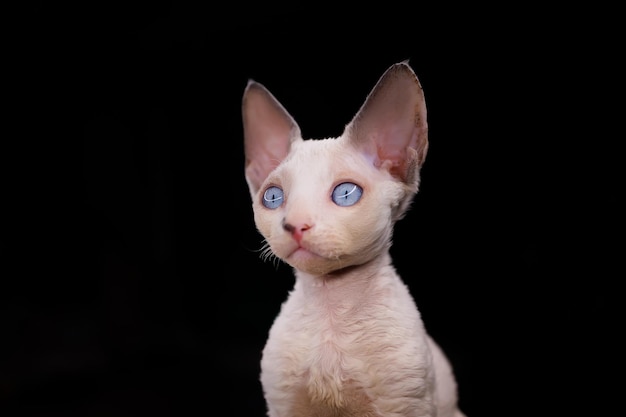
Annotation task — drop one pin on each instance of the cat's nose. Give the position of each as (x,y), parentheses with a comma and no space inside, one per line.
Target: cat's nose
(296,231)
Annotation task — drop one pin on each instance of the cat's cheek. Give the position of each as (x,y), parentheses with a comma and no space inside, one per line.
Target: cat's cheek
(282,248)
(262,218)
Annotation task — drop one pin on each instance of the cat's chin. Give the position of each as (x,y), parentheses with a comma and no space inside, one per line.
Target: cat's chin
(308,261)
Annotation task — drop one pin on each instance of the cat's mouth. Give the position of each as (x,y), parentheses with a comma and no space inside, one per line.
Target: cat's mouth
(300,253)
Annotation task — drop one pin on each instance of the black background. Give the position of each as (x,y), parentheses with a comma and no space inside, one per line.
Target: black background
(133,284)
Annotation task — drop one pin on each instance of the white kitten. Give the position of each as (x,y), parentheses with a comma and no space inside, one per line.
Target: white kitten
(349,340)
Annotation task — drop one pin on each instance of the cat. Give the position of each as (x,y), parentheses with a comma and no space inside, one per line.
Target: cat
(348,340)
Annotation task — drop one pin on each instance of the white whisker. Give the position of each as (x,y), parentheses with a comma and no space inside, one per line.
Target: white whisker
(266,254)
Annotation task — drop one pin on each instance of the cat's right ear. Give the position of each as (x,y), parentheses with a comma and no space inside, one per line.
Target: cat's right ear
(268,131)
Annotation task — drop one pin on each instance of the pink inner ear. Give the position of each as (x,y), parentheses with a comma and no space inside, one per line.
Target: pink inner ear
(268,132)
(392,120)
(396,163)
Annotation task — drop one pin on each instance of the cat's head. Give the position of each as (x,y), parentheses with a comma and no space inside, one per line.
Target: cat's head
(327,204)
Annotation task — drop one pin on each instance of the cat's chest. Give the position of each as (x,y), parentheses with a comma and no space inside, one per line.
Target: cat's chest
(329,349)
(313,348)
(338,333)
(324,332)
(321,327)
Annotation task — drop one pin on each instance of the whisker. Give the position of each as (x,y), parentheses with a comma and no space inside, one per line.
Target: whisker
(266,255)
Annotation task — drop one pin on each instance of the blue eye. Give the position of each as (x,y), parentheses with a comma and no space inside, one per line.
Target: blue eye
(347,194)
(273,197)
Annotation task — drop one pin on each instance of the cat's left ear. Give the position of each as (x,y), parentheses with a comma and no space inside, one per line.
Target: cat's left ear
(269,131)
(391,125)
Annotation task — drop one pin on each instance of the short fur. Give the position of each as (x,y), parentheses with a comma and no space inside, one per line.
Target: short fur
(349,339)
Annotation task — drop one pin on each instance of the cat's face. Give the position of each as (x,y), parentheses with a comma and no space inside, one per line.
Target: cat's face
(323,205)
(327,207)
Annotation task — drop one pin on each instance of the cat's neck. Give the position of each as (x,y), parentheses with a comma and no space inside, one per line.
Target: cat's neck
(349,283)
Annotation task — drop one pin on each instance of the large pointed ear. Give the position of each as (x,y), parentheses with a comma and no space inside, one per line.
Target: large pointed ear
(391,125)
(268,133)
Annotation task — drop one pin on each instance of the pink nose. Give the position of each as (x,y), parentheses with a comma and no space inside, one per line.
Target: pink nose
(296,231)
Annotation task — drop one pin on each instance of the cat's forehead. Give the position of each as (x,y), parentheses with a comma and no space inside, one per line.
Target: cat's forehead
(322,153)
(316,146)
(320,161)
